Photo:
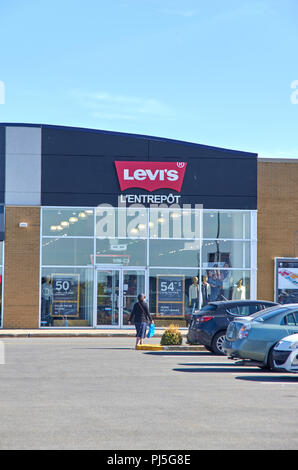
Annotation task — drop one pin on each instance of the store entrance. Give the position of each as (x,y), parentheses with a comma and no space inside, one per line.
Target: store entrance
(117,290)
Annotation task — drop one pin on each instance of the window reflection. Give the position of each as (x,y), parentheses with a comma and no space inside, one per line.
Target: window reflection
(68,222)
(175,253)
(126,252)
(218,224)
(220,254)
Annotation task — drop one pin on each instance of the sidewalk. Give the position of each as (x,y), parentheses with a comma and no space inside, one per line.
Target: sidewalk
(73,332)
(96,333)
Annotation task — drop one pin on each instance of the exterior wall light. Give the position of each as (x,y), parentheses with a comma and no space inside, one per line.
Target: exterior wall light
(23,225)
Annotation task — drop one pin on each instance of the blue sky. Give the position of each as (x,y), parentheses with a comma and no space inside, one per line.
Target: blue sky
(216,72)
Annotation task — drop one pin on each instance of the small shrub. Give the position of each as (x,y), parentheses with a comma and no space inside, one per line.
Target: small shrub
(171,336)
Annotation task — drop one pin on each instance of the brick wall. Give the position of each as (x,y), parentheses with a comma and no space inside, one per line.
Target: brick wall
(277,218)
(21,273)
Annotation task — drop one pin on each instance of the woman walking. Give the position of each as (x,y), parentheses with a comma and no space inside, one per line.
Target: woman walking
(140,316)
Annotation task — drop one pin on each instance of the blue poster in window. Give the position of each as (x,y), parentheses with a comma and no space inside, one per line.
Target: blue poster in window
(170,295)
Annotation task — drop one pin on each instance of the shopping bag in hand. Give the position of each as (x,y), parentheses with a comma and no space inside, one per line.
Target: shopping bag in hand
(151,330)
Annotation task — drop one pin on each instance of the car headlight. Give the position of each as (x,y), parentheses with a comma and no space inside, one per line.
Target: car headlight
(294,346)
(284,345)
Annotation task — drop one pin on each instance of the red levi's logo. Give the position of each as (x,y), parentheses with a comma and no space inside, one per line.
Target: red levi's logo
(151,175)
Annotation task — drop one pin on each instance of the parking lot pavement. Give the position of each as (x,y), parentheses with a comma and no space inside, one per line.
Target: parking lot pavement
(100,393)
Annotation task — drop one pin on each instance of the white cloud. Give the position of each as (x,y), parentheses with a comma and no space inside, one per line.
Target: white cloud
(114,106)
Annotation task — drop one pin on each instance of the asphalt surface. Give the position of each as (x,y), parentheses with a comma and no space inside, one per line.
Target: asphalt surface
(100,393)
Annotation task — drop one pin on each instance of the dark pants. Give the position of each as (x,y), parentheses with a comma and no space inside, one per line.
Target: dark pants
(141,329)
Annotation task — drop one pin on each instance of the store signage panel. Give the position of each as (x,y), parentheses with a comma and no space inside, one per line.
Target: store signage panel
(286,280)
(66,295)
(170,295)
(150,175)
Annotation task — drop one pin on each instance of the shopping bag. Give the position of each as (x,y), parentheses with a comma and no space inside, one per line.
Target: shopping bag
(151,330)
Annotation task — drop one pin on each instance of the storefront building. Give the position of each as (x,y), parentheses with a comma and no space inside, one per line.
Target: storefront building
(90,219)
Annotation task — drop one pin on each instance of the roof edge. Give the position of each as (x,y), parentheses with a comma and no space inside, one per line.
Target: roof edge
(138,136)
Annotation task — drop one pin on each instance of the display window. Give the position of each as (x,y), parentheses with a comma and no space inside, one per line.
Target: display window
(66,297)
(94,265)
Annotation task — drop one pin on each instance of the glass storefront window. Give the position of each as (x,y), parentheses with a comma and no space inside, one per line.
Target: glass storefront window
(126,252)
(175,253)
(224,284)
(174,295)
(114,222)
(159,251)
(66,297)
(224,253)
(73,222)
(175,223)
(67,251)
(232,224)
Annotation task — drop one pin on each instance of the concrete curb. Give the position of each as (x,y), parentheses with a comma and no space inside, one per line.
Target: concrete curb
(158,347)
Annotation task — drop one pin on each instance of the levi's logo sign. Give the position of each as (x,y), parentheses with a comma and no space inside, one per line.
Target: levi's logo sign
(151,175)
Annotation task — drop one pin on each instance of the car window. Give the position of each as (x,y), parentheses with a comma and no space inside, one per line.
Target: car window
(244,310)
(291,319)
(208,308)
(233,310)
(268,313)
(247,310)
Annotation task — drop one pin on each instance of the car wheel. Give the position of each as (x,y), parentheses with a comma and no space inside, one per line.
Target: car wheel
(208,348)
(217,343)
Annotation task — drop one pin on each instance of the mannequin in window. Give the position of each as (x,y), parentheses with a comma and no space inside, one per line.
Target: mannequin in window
(46,300)
(193,294)
(239,291)
(227,283)
(206,291)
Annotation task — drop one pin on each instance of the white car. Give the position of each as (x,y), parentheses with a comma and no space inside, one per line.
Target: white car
(285,354)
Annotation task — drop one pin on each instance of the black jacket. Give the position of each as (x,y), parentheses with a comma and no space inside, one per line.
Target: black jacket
(140,313)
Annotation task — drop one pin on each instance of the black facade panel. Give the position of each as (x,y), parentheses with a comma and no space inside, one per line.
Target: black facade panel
(78,169)
(182,150)
(82,175)
(93,200)
(68,141)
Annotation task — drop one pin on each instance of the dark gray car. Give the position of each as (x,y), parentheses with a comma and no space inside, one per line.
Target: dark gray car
(208,326)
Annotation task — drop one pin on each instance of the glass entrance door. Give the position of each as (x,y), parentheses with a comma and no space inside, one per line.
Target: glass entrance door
(133,285)
(108,297)
(117,290)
